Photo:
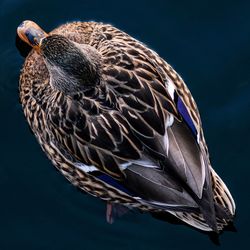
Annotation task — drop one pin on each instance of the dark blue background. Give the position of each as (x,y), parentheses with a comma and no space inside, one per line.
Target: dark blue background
(208,44)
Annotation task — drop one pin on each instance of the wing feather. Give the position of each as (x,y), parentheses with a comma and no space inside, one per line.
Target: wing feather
(137,124)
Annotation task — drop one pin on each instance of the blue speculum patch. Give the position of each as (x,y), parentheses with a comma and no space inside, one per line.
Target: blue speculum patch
(185,115)
(111,181)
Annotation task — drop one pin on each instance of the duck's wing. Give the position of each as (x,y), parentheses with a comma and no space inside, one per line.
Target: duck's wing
(99,139)
(151,125)
(151,119)
(105,144)
(164,116)
(159,109)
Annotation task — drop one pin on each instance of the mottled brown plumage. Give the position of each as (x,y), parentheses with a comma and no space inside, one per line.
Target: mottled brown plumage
(106,109)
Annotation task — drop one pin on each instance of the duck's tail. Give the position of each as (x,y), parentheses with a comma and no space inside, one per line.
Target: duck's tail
(224,208)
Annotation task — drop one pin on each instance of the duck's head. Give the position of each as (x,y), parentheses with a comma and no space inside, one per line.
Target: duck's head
(72,66)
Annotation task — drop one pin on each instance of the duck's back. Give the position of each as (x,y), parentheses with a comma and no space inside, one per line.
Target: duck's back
(156,113)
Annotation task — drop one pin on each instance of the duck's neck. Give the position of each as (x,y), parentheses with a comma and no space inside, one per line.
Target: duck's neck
(72,67)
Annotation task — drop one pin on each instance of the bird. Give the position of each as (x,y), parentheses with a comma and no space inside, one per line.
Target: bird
(120,124)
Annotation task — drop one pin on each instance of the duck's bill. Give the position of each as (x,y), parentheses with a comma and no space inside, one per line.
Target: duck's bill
(31,33)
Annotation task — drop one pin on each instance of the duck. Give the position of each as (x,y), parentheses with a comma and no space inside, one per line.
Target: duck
(120,124)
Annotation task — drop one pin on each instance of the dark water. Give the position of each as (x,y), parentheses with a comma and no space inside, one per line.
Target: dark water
(208,44)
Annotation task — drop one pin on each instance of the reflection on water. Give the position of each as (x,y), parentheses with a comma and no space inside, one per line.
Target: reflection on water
(208,44)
